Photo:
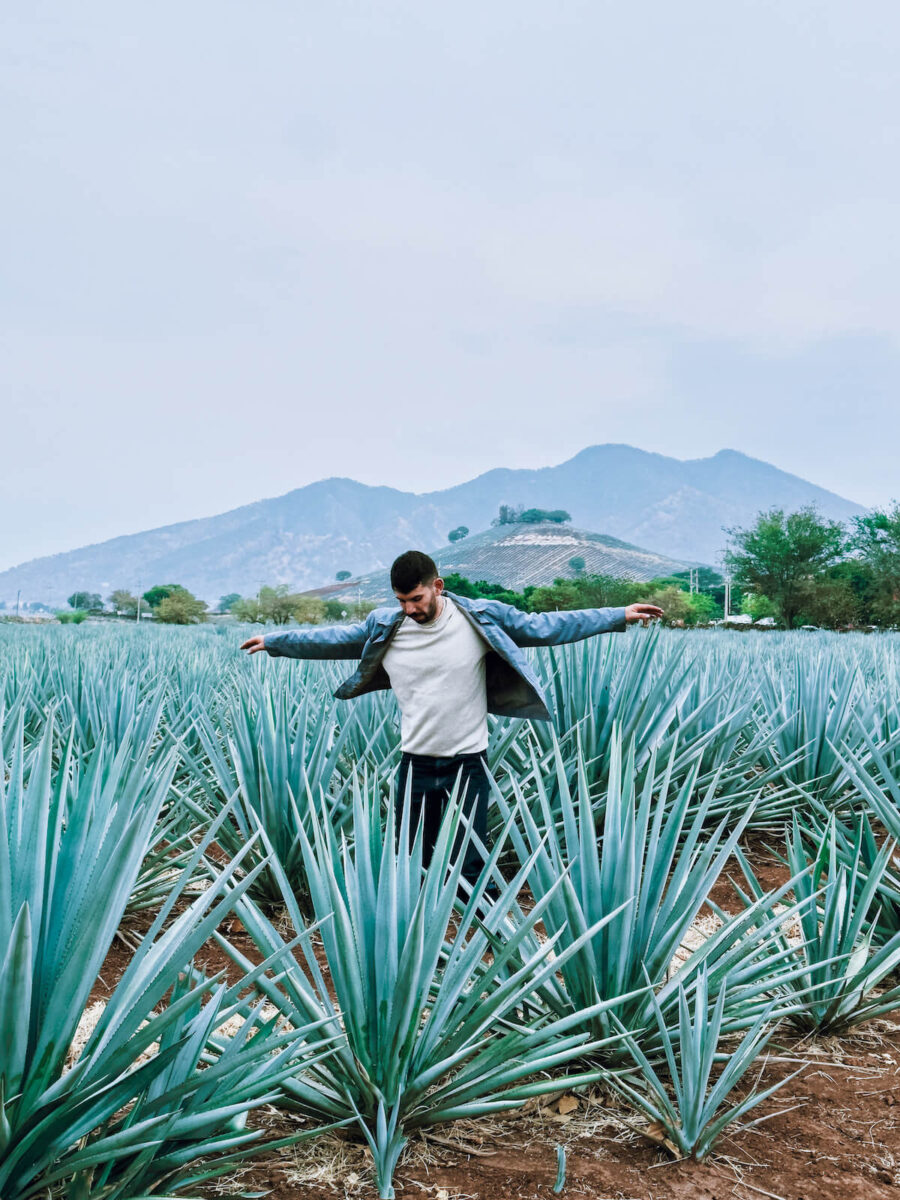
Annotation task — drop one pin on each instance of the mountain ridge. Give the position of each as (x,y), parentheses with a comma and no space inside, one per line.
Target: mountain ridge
(668,506)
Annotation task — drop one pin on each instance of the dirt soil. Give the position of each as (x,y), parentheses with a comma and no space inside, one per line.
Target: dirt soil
(835,1135)
(840,1142)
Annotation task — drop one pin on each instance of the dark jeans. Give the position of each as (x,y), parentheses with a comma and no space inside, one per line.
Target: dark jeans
(432,783)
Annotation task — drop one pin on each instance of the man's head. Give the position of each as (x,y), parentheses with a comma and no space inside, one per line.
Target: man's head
(417,585)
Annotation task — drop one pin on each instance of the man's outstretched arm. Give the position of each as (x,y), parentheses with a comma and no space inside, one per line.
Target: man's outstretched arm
(333,641)
(556,628)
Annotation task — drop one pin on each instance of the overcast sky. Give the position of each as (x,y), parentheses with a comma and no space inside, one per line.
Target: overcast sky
(248,246)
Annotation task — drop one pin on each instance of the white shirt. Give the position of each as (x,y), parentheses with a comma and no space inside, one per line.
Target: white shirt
(437,673)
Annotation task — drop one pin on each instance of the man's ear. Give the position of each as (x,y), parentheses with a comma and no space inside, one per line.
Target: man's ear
(438,586)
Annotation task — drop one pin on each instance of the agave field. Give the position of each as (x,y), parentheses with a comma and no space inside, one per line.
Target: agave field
(223,961)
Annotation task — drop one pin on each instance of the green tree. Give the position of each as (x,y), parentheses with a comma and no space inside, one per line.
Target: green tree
(675,603)
(247,609)
(863,583)
(344,610)
(782,552)
(707,578)
(277,603)
(703,609)
(180,607)
(90,601)
(159,593)
(587,591)
(828,601)
(508,515)
(123,601)
(225,602)
(561,594)
(876,540)
(535,516)
(577,563)
(308,610)
(461,586)
(457,534)
(757,606)
(342,575)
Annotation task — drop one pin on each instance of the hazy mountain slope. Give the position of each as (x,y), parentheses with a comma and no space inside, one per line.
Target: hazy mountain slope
(303,538)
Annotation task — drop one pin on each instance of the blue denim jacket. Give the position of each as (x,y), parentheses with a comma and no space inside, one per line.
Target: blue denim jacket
(513,689)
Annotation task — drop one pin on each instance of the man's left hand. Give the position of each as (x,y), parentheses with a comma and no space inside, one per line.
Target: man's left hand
(643,613)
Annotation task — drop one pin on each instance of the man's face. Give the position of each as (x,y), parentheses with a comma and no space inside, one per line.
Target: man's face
(421,604)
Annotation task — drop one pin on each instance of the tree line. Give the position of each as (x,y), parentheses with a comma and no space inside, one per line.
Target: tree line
(173,604)
(810,570)
(798,567)
(167,602)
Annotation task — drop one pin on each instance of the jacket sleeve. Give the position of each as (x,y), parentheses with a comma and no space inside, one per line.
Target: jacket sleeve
(554,628)
(334,641)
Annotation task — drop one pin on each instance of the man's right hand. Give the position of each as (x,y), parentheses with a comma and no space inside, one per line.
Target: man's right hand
(643,613)
(255,644)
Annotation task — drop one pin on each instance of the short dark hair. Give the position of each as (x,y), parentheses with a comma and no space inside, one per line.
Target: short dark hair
(410,569)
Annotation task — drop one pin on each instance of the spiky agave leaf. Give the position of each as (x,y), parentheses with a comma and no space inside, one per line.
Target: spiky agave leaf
(655,865)
(857,849)
(691,1119)
(433,1026)
(71,844)
(881,793)
(818,702)
(282,757)
(841,968)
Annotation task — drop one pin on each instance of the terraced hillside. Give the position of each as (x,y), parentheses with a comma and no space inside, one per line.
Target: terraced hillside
(516,555)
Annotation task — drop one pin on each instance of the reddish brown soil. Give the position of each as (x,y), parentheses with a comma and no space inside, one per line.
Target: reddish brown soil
(758,850)
(841,1142)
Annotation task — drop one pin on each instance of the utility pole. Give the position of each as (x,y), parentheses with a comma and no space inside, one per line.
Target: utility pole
(137,616)
(18,594)
(695,580)
(727,597)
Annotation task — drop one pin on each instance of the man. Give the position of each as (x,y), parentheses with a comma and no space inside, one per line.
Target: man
(450,661)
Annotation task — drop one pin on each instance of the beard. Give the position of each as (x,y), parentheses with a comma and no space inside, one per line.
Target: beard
(428,615)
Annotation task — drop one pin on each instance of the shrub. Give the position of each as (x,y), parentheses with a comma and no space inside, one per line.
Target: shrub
(181,608)
(71,618)
(756,606)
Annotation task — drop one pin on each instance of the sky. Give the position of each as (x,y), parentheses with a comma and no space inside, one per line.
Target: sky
(247,247)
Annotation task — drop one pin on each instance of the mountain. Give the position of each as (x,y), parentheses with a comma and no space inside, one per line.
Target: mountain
(516,555)
(676,508)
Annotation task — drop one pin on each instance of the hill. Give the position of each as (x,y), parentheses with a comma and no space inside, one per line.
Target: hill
(516,555)
(303,538)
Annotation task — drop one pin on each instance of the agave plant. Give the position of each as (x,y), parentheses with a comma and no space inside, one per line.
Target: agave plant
(281,758)
(113,705)
(690,1115)
(432,1025)
(865,767)
(660,699)
(168,854)
(370,727)
(133,1111)
(653,867)
(842,968)
(595,686)
(858,851)
(816,704)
